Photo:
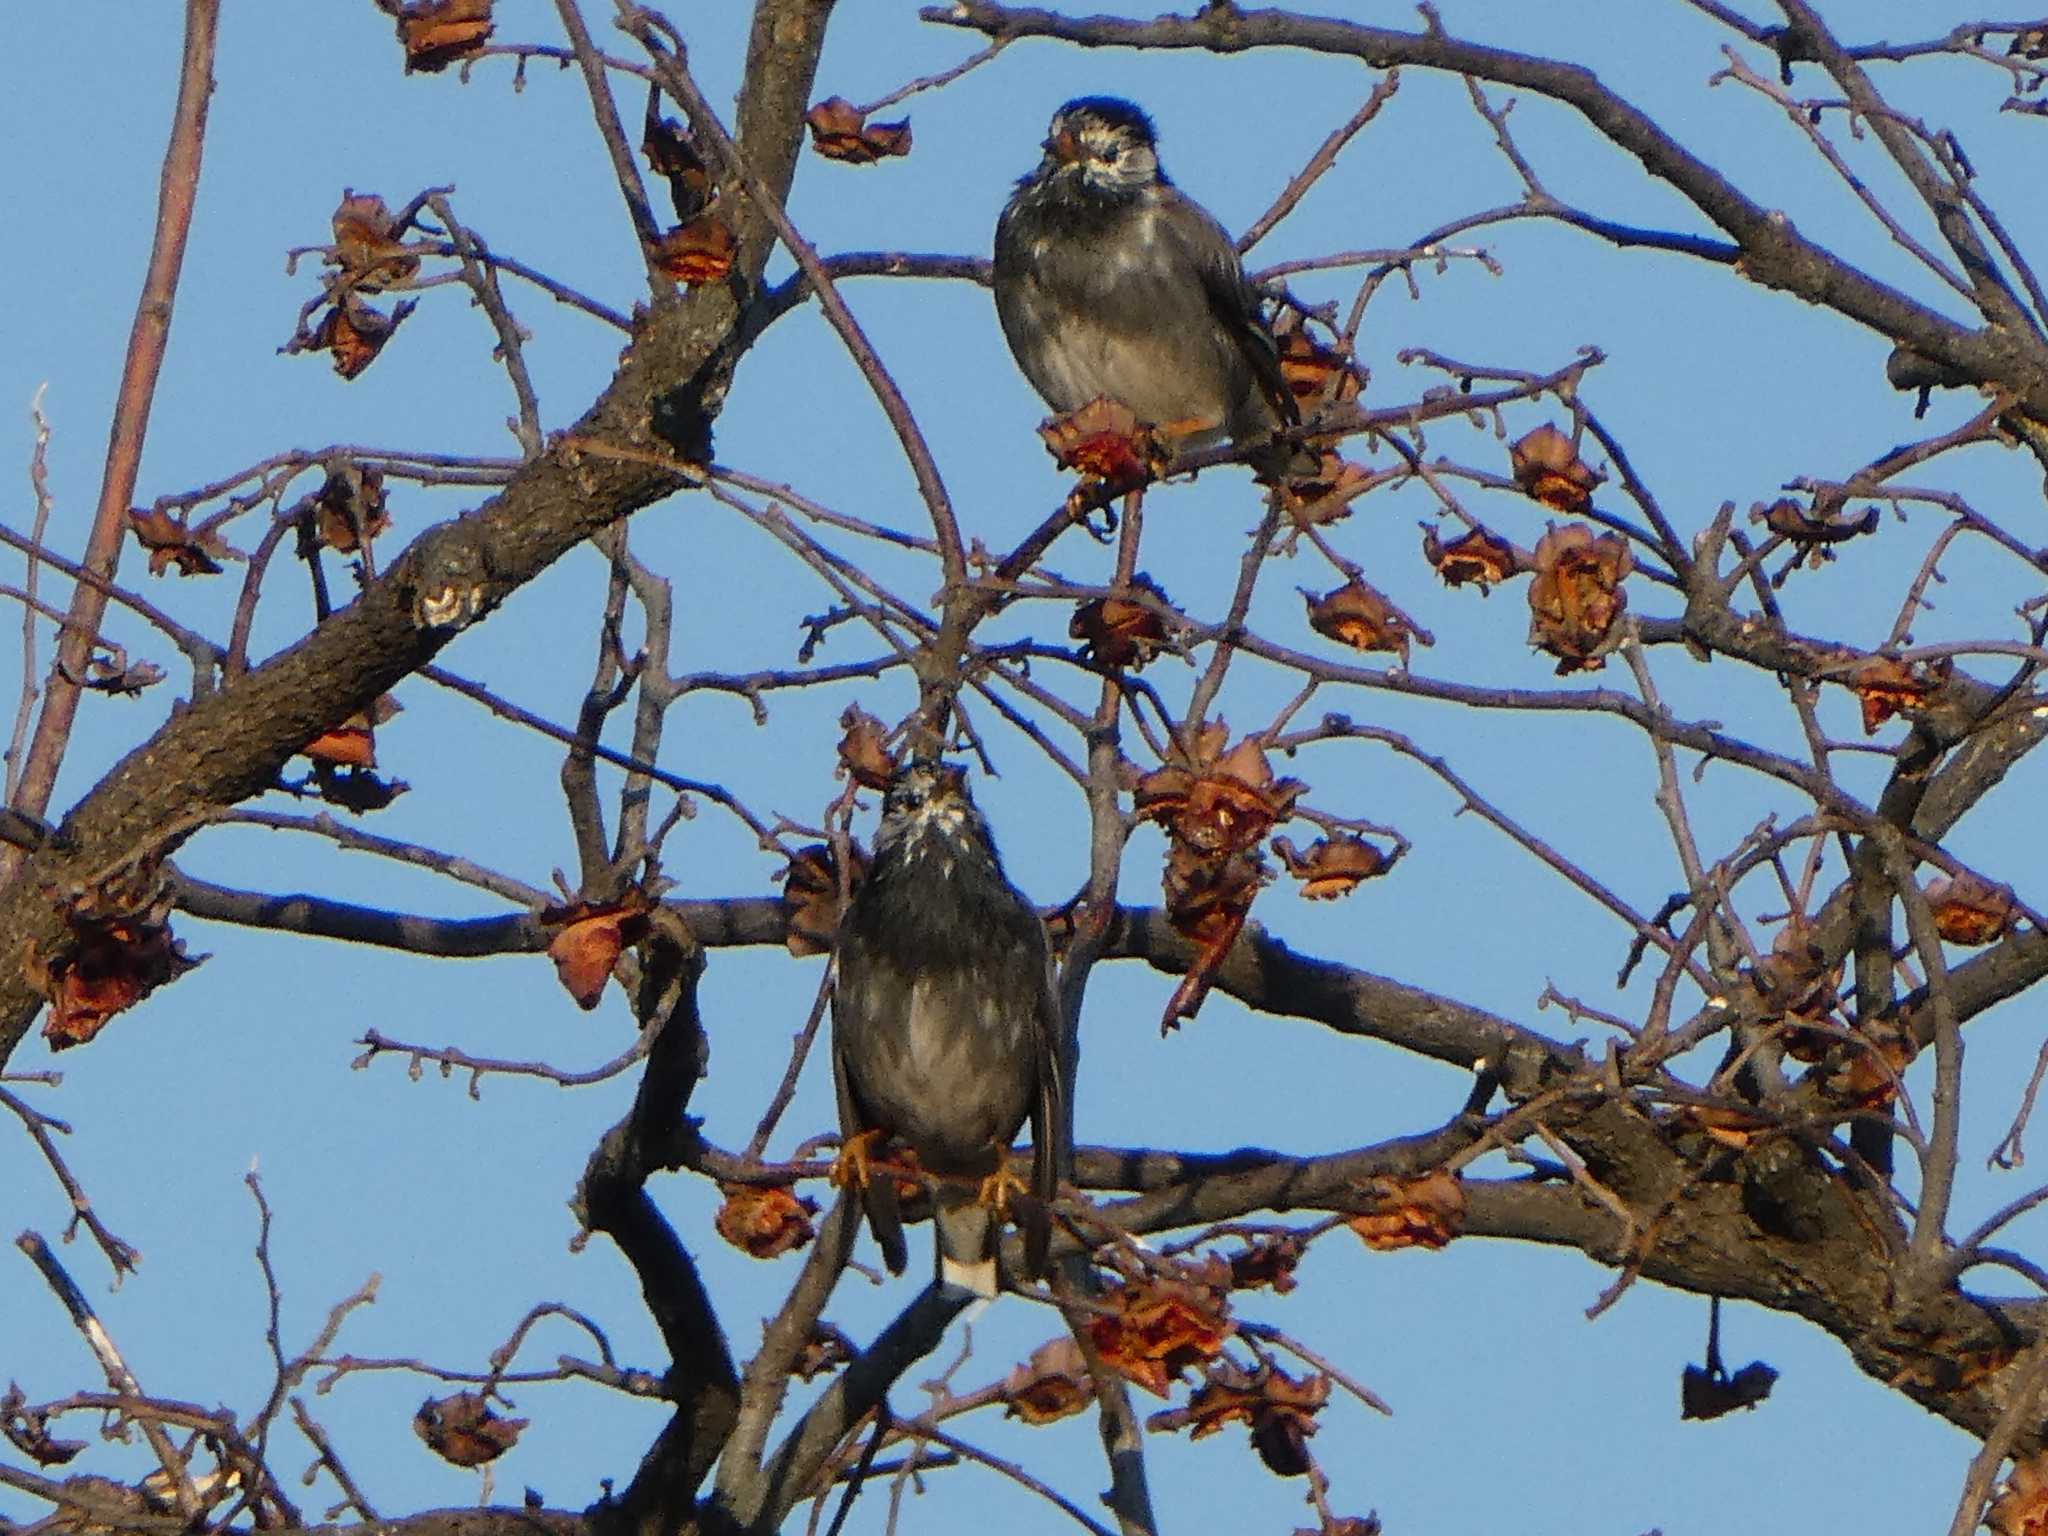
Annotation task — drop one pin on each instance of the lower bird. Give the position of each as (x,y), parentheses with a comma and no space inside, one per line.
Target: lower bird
(1110,280)
(945,1028)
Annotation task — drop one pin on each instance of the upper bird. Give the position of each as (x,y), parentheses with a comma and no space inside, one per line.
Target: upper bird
(1111,281)
(945,1026)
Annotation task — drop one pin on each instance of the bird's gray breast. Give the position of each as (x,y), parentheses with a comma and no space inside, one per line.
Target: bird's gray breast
(1112,302)
(936,1008)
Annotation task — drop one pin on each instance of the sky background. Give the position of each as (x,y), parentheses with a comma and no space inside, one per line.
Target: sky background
(1511,1410)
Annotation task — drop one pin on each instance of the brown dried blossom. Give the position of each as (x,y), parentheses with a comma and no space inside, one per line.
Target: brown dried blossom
(593,935)
(1279,1411)
(1361,616)
(1053,1384)
(764,1220)
(1268,1260)
(1886,687)
(698,252)
(367,244)
(1547,466)
(1324,494)
(1812,529)
(463,1429)
(437,33)
(1104,441)
(1214,801)
(1155,1327)
(1332,866)
(1119,631)
(840,131)
(1969,909)
(171,542)
(353,743)
(1576,600)
(1422,1212)
(1315,375)
(117,949)
(2021,1508)
(1476,556)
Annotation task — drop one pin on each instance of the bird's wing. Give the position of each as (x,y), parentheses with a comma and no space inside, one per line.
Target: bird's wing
(1213,254)
(879,1198)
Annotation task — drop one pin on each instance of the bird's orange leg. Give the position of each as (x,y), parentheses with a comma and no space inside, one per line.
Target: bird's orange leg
(997,1188)
(852,1168)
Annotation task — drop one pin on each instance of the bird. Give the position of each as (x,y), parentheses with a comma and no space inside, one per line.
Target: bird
(946,1029)
(1109,280)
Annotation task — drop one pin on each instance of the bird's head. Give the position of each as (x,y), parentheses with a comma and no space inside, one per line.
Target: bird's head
(1102,144)
(928,801)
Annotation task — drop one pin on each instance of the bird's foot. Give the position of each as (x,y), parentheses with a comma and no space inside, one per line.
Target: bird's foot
(853,1167)
(997,1188)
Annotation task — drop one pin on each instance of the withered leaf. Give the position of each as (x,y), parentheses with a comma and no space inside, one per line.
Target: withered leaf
(28,1431)
(117,675)
(349,509)
(699,252)
(464,1430)
(171,542)
(1119,631)
(864,754)
(354,332)
(1268,1260)
(1422,1212)
(593,935)
(673,155)
(1547,466)
(357,789)
(437,33)
(1279,1410)
(840,131)
(1705,1393)
(827,1349)
(367,245)
(764,1220)
(1104,441)
(1475,556)
(1053,1384)
(810,897)
(1332,866)
(1577,597)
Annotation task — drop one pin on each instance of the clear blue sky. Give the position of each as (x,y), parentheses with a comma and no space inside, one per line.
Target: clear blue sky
(1512,1411)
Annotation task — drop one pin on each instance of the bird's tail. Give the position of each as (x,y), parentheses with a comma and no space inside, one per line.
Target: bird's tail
(966,1242)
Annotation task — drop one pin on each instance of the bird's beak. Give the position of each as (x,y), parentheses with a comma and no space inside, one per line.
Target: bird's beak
(1064,147)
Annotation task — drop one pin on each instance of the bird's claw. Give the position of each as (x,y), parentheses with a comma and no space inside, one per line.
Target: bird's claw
(997,1188)
(853,1167)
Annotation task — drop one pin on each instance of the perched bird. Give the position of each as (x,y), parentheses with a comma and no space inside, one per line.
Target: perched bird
(1111,281)
(945,1028)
